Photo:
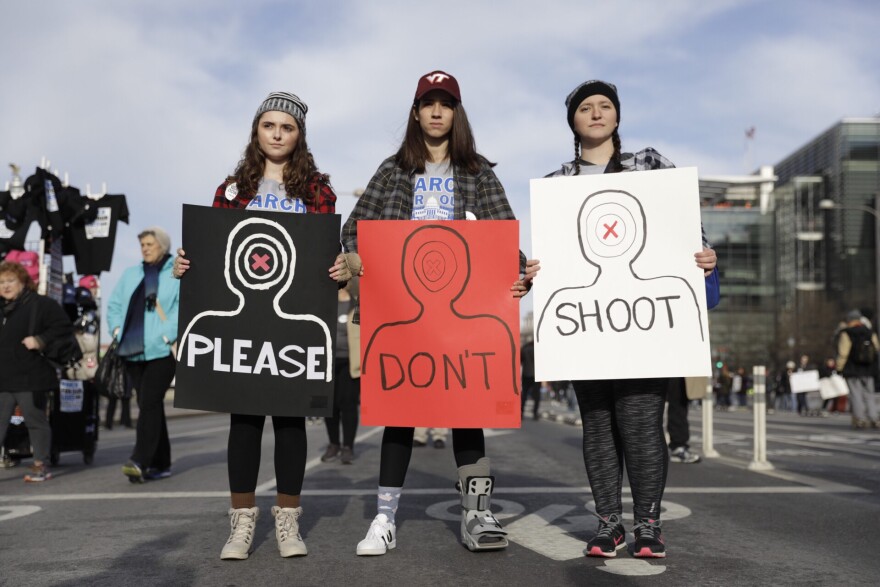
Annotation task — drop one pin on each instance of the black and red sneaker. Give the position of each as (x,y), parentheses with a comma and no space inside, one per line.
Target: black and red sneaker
(649,540)
(609,538)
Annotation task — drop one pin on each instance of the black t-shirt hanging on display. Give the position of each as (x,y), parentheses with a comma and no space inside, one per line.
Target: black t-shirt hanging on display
(75,209)
(14,224)
(45,190)
(93,241)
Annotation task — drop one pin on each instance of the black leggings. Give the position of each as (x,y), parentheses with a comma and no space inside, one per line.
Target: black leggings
(245,443)
(468,445)
(623,424)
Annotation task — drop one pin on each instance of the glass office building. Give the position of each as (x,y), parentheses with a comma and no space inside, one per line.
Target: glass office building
(739,222)
(795,254)
(825,205)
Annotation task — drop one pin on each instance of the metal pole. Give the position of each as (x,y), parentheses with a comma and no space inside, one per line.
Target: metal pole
(708,412)
(759,408)
(877,256)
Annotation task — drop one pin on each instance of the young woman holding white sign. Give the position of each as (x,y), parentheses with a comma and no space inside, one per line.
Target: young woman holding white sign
(622,419)
(433,176)
(276,172)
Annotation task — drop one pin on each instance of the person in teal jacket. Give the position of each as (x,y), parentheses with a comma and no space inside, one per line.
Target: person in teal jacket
(142,315)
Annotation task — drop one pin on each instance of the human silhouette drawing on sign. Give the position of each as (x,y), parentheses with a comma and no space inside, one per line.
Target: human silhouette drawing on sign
(435,268)
(259,270)
(612,233)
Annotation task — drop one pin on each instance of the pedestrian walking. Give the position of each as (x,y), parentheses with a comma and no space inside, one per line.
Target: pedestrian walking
(530,388)
(438,147)
(857,349)
(142,315)
(276,166)
(802,406)
(346,380)
(622,419)
(29,324)
(677,423)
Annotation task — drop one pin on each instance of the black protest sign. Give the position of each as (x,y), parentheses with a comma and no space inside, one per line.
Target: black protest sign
(257,312)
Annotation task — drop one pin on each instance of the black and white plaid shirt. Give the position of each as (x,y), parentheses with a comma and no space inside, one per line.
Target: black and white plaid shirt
(389,196)
(645,160)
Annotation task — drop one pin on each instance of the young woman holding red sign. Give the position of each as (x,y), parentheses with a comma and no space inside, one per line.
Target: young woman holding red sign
(438,150)
(622,419)
(276,170)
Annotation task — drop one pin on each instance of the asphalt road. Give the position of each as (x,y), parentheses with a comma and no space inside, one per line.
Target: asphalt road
(812,520)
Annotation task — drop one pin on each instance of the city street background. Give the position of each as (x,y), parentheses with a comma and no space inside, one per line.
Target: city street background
(810,521)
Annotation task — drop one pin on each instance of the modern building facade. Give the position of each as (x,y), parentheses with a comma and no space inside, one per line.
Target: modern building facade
(797,254)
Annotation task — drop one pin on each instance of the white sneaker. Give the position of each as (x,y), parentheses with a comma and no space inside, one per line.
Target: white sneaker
(243,522)
(381,537)
(290,543)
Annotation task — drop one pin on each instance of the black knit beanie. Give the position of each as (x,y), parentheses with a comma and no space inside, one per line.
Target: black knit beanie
(587,89)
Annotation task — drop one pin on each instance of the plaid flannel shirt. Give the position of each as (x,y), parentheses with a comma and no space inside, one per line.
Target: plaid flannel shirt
(389,196)
(323,202)
(645,160)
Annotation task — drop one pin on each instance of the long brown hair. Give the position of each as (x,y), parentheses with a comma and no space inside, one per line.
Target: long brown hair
(413,153)
(299,169)
(614,164)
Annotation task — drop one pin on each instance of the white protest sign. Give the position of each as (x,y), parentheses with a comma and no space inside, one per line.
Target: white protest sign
(804,381)
(619,295)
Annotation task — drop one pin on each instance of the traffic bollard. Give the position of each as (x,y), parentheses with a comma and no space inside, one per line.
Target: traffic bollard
(708,413)
(759,409)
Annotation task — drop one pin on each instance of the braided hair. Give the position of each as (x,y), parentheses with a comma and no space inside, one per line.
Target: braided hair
(614,165)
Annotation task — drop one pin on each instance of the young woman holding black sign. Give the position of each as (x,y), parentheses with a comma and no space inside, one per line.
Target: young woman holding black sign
(438,149)
(276,163)
(622,419)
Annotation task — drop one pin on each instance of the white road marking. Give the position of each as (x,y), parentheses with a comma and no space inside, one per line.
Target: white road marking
(840,441)
(537,533)
(17,511)
(549,530)
(429,491)
(631,567)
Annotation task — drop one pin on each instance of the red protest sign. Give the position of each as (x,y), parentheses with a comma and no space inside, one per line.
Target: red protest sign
(439,325)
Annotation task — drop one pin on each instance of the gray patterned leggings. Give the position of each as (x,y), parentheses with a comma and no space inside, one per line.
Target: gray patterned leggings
(623,425)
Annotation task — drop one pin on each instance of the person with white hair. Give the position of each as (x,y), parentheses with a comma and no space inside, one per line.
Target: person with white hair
(142,315)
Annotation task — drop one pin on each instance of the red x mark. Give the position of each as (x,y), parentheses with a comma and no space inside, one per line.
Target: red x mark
(610,230)
(433,267)
(260,262)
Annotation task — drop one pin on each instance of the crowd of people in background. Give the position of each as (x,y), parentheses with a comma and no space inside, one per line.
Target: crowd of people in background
(853,350)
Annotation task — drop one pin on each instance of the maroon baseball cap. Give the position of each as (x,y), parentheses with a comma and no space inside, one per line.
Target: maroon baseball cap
(438,80)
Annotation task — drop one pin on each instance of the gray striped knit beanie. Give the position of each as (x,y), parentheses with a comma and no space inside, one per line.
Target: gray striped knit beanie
(287,103)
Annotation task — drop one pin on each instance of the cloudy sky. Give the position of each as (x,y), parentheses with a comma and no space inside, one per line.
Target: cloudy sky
(156,98)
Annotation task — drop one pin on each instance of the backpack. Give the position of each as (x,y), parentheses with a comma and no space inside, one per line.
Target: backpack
(862,351)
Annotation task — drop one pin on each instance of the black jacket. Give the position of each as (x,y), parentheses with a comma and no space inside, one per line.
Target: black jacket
(20,368)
